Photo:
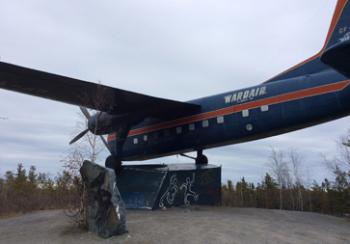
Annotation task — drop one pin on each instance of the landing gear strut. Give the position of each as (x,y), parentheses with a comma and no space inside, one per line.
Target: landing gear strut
(201,159)
(114,163)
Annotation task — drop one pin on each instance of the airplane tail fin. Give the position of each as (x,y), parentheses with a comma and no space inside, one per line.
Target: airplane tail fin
(337,47)
(339,31)
(338,35)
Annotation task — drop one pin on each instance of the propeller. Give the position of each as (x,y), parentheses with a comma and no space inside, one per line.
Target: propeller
(81,134)
(85,112)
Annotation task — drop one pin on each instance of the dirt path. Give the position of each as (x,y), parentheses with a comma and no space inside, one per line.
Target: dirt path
(199,225)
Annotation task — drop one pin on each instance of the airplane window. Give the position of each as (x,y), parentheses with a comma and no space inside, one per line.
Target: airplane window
(249,127)
(178,130)
(145,137)
(245,113)
(136,140)
(191,127)
(220,119)
(205,123)
(264,108)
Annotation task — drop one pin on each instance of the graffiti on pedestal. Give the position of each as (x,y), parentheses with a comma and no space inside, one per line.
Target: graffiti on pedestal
(187,186)
(175,188)
(169,194)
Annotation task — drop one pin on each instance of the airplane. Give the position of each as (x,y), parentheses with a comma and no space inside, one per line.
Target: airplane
(142,127)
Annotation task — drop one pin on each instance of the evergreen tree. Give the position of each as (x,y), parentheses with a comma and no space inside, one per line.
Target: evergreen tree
(20,180)
(32,176)
(9,177)
(230,185)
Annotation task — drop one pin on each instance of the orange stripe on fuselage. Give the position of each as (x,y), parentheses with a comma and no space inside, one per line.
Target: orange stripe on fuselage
(111,137)
(290,96)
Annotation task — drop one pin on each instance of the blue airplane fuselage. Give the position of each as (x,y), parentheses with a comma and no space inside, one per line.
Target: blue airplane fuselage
(253,113)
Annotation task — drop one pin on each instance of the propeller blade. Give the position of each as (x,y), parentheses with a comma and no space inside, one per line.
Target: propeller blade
(80,135)
(85,112)
(105,142)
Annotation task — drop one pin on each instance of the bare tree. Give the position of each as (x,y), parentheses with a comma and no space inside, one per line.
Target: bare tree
(280,170)
(295,161)
(340,164)
(89,148)
(344,148)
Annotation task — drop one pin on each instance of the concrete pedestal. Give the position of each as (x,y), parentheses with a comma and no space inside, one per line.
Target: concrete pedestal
(163,186)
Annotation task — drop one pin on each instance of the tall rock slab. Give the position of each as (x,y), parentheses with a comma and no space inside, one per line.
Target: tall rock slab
(105,209)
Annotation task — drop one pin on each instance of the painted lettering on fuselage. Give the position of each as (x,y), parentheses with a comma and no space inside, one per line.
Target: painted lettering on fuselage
(246,95)
(345,38)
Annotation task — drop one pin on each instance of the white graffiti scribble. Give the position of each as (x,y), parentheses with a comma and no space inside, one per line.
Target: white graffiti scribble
(188,190)
(170,193)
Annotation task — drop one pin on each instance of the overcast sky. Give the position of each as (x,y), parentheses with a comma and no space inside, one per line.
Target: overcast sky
(177,49)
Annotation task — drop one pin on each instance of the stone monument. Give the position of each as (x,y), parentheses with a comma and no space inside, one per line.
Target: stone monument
(105,209)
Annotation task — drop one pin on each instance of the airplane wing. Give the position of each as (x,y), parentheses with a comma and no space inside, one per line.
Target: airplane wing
(86,94)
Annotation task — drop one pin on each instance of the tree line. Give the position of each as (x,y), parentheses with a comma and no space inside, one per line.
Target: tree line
(284,188)
(23,191)
(326,198)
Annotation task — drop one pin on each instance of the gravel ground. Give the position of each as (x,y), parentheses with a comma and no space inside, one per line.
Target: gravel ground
(178,225)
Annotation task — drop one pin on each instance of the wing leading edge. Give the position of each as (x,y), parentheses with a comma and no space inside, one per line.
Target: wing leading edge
(83,93)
